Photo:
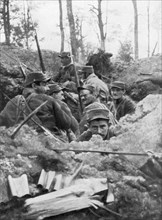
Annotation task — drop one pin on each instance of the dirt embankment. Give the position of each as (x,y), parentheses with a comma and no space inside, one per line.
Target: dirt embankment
(11,78)
(136,180)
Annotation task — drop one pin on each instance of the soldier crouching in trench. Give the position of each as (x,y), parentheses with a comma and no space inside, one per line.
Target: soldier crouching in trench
(98,124)
(121,104)
(51,116)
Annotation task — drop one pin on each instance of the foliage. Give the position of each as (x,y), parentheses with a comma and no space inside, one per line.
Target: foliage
(125,51)
(21,26)
(101,63)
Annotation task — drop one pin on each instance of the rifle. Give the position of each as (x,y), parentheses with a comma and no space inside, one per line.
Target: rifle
(70,97)
(103,152)
(154,49)
(22,64)
(39,53)
(26,119)
(78,90)
(45,130)
(21,69)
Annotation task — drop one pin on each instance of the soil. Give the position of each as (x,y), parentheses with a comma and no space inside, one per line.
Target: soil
(137,189)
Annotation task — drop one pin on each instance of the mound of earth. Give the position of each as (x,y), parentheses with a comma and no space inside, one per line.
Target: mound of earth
(142,77)
(136,181)
(11,77)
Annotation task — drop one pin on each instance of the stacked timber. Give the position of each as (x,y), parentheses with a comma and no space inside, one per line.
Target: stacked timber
(80,195)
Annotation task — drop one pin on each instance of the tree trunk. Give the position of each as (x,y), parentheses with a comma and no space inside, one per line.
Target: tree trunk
(101,26)
(6,21)
(26,27)
(73,39)
(82,44)
(148,27)
(135,28)
(61,26)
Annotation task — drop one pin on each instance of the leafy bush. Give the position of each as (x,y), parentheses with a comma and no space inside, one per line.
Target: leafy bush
(125,51)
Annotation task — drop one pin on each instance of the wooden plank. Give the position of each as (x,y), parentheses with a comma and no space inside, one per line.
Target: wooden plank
(82,187)
(59,206)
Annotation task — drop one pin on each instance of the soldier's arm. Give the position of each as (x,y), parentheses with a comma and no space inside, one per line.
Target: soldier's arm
(130,107)
(72,73)
(74,123)
(2,120)
(63,121)
(85,136)
(57,77)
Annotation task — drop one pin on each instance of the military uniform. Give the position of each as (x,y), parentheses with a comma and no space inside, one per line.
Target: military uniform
(124,106)
(96,112)
(51,115)
(92,79)
(74,126)
(121,104)
(87,135)
(12,115)
(66,73)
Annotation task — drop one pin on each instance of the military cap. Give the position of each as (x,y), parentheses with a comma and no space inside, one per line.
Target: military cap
(97,110)
(86,69)
(118,84)
(36,77)
(89,87)
(64,54)
(54,88)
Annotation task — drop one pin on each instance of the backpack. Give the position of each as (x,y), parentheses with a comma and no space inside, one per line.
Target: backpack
(16,111)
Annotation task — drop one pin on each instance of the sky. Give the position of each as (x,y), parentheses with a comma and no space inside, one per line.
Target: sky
(120,22)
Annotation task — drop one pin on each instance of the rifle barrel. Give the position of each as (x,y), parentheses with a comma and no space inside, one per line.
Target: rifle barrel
(40,126)
(26,119)
(40,54)
(101,151)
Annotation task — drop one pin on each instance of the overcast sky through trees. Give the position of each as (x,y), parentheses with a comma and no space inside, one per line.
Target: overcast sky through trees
(120,16)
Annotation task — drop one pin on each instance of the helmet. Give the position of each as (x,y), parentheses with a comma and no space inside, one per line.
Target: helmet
(36,77)
(97,110)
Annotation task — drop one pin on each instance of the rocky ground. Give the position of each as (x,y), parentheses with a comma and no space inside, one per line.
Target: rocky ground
(136,180)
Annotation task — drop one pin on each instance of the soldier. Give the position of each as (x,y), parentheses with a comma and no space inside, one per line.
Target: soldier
(98,123)
(66,74)
(50,115)
(88,96)
(13,114)
(57,93)
(123,104)
(87,76)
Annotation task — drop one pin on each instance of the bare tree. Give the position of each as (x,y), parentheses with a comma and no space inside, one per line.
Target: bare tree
(98,12)
(73,38)
(148,27)
(135,28)
(157,25)
(5,11)
(80,37)
(61,26)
